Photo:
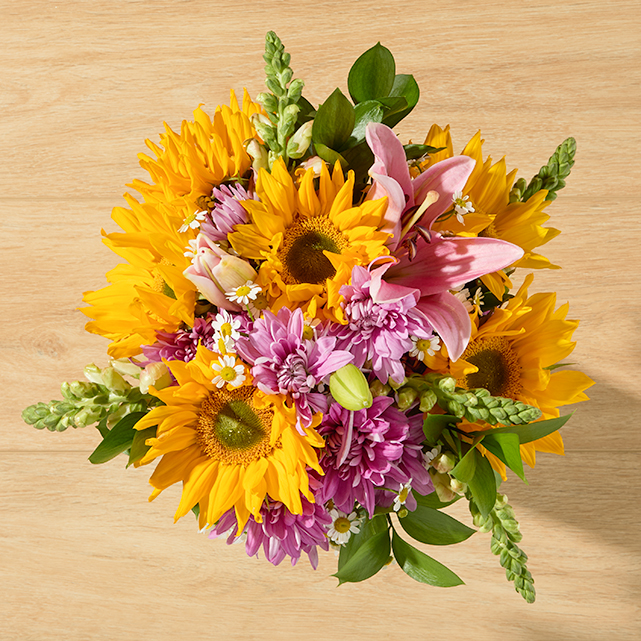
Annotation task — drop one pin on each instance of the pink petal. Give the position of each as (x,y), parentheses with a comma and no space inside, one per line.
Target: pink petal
(447,315)
(396,203)
(390,156)
(447,264)
(445,177)
(383,292)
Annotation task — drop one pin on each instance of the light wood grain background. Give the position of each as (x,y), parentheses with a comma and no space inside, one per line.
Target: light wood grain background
(83,556)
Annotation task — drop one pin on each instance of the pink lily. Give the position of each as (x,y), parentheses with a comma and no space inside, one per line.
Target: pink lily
(433,189)
(443,263)
(215,272)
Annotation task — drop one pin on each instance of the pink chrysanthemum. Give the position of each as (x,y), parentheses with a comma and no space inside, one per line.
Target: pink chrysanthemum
(227,212)
(369,449)
(181,345)
(284,362)
(281,533)
(379,324)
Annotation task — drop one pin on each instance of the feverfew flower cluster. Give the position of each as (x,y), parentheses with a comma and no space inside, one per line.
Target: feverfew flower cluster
(317,335)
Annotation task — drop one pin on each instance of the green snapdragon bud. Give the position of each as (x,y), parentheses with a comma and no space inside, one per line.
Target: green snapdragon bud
(349,388)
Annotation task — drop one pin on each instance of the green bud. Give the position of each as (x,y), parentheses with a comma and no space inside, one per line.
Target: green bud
(402,513)
(447,384)
(444,463)
(299,143)
(349,388)
(379,389)
(442,487)
(406,398)
(427,400)
(295,90)
(113,381)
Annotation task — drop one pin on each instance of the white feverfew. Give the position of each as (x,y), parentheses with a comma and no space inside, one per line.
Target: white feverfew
(401,497)
(244,294)
(422,347)
(343,526)
(227,371)
(191,250)
(461,206)
(193,221)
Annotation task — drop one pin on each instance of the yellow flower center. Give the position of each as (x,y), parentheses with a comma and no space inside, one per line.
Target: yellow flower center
(243,290)
(232,430)
(227,373)
(342,524)
(308,332)
(225,329)
(498,365)
(489,232)
(402,495)
(302,251)
(423,345)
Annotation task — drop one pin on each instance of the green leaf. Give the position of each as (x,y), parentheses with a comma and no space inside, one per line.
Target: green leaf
(118,440)
(138,446)
(557,365)
(365,553)
(412,152)
(530,431)
(434,527)
(506,447)
(434,424)
(393,105)
(364,112)
(432,500)
(102,427)
(329,155)
(334,121)
(483,484)
(306,111)
(372,75)
(465,469)
(421,567)
(406,86)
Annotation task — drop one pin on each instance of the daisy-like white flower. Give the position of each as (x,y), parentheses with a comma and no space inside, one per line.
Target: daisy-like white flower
(343,526)
(428,457)
(193,221)
(227,370)
(310,328)
(244,294)
(424,346)
(226,333)
(401,497)
(470,301)
(461,206)
(191,250)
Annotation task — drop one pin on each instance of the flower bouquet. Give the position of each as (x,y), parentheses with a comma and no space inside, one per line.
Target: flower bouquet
(315,330)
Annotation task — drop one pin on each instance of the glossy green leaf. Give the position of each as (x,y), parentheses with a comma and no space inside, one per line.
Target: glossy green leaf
(365,553)
(432,500)
(434,527)
(464,470)
(412,152)
(483,484)
(506,447)
(329,155)
(118,440)
(406,86)
(530,431)
(434,424)
(334,121)
(421,567)
(364,113)
(372,75)
(138,446)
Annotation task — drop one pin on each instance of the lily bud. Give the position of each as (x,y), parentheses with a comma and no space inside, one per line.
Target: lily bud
(215,272)
(156,374)
(299,143)
(349,388)
(258,154)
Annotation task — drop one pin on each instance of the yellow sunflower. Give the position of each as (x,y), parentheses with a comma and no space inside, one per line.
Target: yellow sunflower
(150,293)
(511,354)
(230,447)
(488,188)
(309,240)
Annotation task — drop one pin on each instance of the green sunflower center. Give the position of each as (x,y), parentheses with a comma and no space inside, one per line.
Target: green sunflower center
(232,430)
(499,368)
(302,251)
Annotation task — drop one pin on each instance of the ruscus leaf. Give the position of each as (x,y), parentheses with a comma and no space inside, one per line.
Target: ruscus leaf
(119,439)
(372,75)
(434,527)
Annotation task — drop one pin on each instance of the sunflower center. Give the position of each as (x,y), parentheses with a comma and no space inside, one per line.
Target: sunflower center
(231,429)
(302,251)
(342,524)
(498,365)
(489,232)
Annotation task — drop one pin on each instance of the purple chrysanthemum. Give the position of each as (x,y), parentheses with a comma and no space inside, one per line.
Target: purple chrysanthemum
(380,320)
(227,212)
(368,449)
(181,345)
(281,533)
(284,362)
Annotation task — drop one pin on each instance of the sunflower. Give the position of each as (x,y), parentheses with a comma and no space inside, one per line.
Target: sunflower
(309,240)
(488,188)
(231,447)
(150,293)
(513,355)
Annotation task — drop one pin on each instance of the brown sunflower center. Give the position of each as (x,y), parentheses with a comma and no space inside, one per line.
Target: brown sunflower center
(489,232)
(499,367)
(232,430)
(302,251)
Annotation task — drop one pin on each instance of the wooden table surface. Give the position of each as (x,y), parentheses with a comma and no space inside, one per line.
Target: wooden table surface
(84,556)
